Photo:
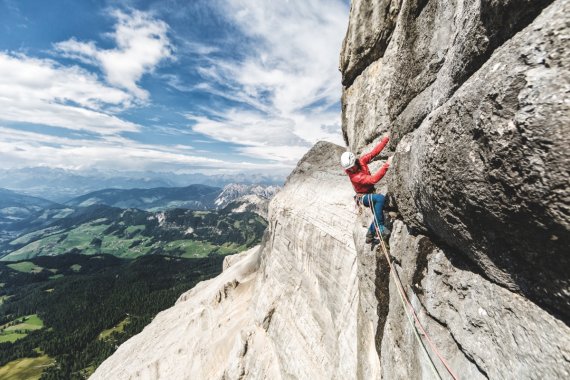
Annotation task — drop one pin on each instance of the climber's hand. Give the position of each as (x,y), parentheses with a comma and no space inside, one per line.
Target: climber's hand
(389,160)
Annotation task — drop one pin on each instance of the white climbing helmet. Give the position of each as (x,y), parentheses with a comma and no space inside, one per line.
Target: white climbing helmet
(347,160)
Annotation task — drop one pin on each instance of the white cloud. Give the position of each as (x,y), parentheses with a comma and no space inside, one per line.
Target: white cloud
(269,138)
(287,64)
(43,92)
(290,64)
(198,48)
(248,128)
(20,149)
(142,43)
(23,149)
(286,155)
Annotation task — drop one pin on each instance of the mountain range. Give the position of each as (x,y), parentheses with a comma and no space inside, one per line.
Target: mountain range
(131,233)
(15,207)
(233,192)
(135,222)
(19,212)
(60,185)
(194,197)
(134,251)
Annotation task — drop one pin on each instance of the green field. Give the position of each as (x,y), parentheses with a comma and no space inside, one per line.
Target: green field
(122,247)
(27,238)
(120,327)
(75,267)
(78,238)
(30,322)
(189,248)
(230,249)
(26,267)
(81,238)
(25,369)
(135,229)
(133,233)
(11,337)
(193,249)
(19,328)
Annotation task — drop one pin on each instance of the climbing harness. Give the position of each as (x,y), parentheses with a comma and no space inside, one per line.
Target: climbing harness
(405,301)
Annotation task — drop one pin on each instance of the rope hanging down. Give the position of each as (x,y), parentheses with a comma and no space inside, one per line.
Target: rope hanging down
(405,301)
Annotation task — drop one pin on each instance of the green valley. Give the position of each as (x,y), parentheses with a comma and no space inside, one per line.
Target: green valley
(26,368)
(19,328)
(132,233)
(76,282)
(65,327)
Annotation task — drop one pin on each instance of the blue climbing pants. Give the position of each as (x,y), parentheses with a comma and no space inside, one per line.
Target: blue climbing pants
(378,204)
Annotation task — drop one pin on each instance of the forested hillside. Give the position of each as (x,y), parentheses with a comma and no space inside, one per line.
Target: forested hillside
(82,280)
(85,306)
(132,233)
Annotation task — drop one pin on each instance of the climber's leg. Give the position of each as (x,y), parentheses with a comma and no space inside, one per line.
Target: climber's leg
(378,204)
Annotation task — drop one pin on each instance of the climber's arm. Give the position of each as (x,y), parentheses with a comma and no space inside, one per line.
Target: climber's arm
(380,173)
(367,179)
(377,149)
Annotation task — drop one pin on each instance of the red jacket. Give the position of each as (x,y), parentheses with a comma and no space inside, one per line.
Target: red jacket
(362,181)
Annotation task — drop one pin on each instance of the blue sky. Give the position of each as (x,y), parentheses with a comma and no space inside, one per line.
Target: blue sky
(214,86)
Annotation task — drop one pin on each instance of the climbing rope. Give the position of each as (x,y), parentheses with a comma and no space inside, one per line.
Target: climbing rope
(405,301)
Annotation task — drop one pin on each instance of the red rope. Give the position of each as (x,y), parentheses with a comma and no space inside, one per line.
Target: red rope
(404,296)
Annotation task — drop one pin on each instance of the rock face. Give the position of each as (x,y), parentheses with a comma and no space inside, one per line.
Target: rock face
(483,329)
(475,97)
(288,310)
(487,172)
(434,47)
(369,31)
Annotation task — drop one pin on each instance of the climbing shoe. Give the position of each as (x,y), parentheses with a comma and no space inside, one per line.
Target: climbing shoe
(374,244)
(385,232)
(369,237)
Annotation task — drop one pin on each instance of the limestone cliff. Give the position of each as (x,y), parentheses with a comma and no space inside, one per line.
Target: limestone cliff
(475,97)
(289,309)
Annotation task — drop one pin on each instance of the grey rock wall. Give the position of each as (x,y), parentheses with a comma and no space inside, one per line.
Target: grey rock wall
(481,328)
(369,31)
(434,47)
(475,97)
(487,172)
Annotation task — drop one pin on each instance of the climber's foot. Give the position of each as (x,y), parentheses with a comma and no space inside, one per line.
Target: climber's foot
(370,237)
(373,244)
(385,231)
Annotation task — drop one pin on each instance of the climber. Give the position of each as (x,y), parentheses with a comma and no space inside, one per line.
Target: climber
(363,183)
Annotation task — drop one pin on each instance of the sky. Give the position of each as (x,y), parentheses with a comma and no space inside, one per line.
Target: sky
(209,86)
